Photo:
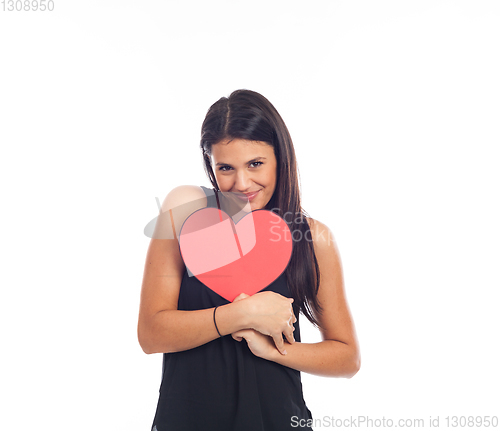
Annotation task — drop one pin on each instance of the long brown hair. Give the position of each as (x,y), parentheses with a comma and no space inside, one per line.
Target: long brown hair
(248,115)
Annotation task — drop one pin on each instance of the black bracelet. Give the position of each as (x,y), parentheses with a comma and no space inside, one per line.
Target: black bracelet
(216,323)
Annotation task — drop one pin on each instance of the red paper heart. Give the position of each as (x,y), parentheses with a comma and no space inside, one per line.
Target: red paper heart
(231,259)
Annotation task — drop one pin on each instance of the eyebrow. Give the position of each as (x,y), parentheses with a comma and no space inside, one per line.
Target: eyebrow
(250,161)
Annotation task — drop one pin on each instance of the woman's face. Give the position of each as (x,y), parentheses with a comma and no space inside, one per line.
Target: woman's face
(248,167)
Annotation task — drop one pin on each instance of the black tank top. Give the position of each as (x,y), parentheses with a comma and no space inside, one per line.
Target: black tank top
(222,385)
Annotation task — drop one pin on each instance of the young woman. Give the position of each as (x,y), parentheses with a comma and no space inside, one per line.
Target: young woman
(236,365)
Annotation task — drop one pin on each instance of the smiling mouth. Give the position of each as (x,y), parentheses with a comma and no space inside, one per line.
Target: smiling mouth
(249,196)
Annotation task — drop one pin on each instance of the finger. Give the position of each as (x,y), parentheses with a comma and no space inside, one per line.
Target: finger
(289,337)
(236,337)
(240,297)
(280,344)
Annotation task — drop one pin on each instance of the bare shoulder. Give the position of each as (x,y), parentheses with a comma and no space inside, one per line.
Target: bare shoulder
(179,204)
(182,195)
(321,235)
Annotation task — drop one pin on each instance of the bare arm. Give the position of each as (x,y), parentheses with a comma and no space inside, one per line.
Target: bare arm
(338,354)
(162,328)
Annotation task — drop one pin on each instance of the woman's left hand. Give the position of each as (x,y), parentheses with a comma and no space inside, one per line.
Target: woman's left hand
(260,345)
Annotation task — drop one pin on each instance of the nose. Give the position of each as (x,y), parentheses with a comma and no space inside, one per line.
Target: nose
(242,181)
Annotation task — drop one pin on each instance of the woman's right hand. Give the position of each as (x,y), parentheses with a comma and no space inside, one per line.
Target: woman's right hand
(271,314)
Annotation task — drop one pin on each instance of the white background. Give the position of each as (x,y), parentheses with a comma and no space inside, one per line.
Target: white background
(394,109)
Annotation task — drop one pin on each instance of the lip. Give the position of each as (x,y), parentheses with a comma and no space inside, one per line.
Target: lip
(249,196)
